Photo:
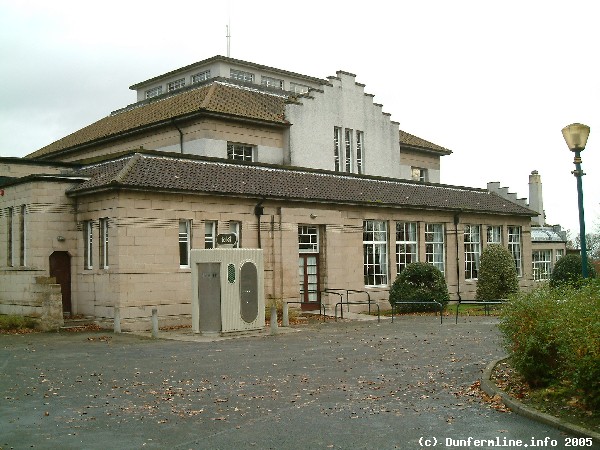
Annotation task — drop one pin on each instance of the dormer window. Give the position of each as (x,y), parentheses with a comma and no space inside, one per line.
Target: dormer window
(240,75)
(298,88)
(154,92)
(177,84)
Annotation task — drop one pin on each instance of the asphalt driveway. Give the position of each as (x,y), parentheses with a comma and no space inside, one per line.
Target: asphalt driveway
(347,385)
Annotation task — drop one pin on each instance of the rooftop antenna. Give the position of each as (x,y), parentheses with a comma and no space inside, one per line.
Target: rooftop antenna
(228,28)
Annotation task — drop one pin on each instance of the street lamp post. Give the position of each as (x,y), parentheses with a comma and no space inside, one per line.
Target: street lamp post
(576,136)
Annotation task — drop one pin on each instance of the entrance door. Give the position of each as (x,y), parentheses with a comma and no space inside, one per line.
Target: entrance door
(308,273)
(60,268)
(209,296)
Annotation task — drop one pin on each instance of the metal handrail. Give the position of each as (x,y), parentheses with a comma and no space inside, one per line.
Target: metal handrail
(354,303)
(485,304)
(420,303)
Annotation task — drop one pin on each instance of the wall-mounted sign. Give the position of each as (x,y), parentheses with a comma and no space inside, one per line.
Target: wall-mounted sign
(226,240)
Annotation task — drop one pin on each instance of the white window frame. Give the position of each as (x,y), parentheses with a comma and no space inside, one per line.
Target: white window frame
(88,244)
(154,92)
(514,246)
(472,247)
(308,239)
(360,151)
(210,234)
(23,236)
(240,152)
(407,244)
(297,88)
(185,242)
(494,234)
(272,82)
(348,160)
(103,227)
(236,227)
(10,262)
(176,84)
(375,253)
(337,139)
(241,75)
(418,174)
(200,77)
(559,253)
(541,264)
(435,245)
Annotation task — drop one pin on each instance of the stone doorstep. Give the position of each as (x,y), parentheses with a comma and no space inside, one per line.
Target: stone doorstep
(490,388)
(82,322)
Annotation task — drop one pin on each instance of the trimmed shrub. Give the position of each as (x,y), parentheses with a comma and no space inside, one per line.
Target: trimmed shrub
(419,282)
(568,270)
(12,322)
(497,277)
(552,336)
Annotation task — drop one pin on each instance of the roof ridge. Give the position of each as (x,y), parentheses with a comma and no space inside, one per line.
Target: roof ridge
(122,174)
(208,96)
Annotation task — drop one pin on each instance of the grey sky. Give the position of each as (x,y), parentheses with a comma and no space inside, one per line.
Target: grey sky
(493,81)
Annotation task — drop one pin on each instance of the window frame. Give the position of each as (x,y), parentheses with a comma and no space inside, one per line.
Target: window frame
(375,253)
(433,246)
(298,88)
(185,243)
(337,139)
(154,92)
(420,176)
(544,264)
(210,238)
(103,243)
(515,247)
(472,250)
(360,150)
(272,82)
(240,152)
(241,75)
(348,146)
(407,256)
(200,77)
(235,226)
(308,238)
(10,262)
(492,232)
(175,84)
(88,244)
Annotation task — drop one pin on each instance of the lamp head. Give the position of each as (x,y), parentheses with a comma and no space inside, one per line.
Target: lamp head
(576,136)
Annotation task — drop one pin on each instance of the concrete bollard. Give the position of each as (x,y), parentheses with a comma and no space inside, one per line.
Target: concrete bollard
(285,320)
(117,320)
(273,319)
(155,323)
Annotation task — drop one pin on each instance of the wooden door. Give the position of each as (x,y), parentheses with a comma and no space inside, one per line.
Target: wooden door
(308,274)
(60,268)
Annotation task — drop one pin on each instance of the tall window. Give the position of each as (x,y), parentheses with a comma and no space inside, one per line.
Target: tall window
(87,244)
(559,254)
(360,138)
(185,241)
(240,75)
(202,76)
(541,261)
(375,252)
(104,243)
(337,139)
(406,244)
(271,82)
(472,240)
(9,236)
(240,152)
(514,247)
(308,239)
(154,92)
(434,245)
(348,150)
(494,235)
(210,234)
(22,236)
(177,84)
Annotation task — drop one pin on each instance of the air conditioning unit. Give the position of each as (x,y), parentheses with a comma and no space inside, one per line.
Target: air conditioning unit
(227,290)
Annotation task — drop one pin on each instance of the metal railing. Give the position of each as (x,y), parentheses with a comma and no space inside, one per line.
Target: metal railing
(439,306)
(486,305)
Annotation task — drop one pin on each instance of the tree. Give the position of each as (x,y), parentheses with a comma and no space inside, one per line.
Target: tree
(592,243)
(497,277)
(567,270)
(419,282)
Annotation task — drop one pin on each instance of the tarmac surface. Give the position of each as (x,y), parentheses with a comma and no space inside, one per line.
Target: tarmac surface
(341,385)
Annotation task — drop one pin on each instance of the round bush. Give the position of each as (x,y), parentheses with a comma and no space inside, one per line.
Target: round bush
(419,282)
(497,277)
(567,270)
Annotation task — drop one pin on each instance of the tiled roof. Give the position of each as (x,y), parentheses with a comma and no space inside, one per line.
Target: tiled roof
(414,141)
(216,98)
(220,177)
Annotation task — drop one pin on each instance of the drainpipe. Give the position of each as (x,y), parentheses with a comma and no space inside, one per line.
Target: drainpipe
(456,222)
(259,211)
(180,136)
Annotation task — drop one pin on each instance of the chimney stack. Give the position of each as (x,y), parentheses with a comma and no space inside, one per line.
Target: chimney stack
(536,199)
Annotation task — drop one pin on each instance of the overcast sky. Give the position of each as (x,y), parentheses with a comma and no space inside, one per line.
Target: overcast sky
(495,82)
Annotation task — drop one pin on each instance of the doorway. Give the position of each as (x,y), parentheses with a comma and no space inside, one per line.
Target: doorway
(60,268)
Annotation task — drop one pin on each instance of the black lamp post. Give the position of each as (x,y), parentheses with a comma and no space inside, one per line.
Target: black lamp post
(576,136)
